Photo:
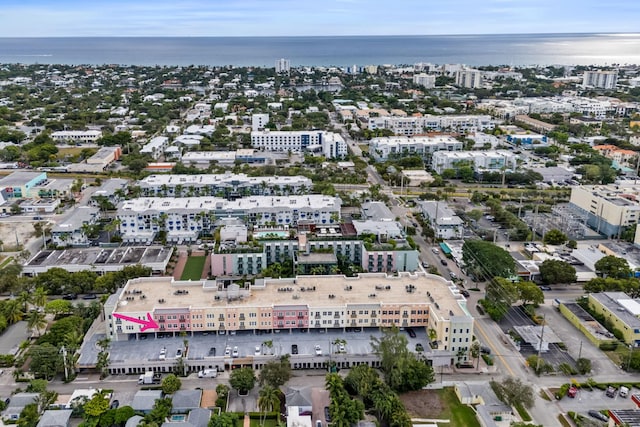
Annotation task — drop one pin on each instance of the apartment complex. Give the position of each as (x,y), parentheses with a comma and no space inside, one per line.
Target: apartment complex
(84,136)
(416,125)
(428,81)
(469,78)
(480,160)
(185,219)
(305,302)
(155,148)
(445,223)
(600,79)
(628,158)
(328,144)
(384,148)
(609,208)
(283,65)
(229,185)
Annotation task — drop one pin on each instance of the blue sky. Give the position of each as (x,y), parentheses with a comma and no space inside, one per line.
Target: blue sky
(35,18)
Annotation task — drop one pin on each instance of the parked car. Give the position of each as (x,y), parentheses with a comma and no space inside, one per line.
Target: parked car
(318,350)
(425,265)
(624,391)
(545,288)
(257,351)
(573,391)
(89,296)
(419,348)
(115,404)
(212,351)
(341,348)
(598,415)
(178,353)
(294,348)
(411,332)
(452,275)
(235,352)
(435,251)
(611,391)
(443,262)
(70,296)
(327,415)
(465,293)
(485,350)
(227,352)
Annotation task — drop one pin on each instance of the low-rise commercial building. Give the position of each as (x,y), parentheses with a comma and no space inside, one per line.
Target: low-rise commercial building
(84,136)
(18,185)
(72,230)
(416,125)
(622,311)
(445,223)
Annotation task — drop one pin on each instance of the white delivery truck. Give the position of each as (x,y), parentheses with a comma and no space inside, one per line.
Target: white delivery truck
(149,378)
(208,373)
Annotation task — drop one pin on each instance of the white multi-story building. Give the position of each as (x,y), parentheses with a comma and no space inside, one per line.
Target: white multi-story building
(480,160)
(72,229)
(76,136)
(283,65)
(184,219)
(608,207)
(228,185)
(445,223)
(426,80)
(155,148)
(401,146)
(469,78)
(259,121)
(600,79)
(417,125)
(329,144)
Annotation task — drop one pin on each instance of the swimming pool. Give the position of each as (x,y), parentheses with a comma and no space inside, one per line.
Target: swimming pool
(178,418)
(279,234)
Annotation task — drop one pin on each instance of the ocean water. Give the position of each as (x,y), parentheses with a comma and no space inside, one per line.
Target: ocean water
(515,49)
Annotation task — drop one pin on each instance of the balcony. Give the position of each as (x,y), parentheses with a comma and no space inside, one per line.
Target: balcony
(336,323)
(374,314)
(336,316)
(354,315)
(317,316)
(221,319)
(161,320)
(300,316)
(280,316)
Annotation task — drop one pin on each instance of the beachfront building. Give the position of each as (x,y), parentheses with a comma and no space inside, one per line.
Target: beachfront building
(481,161)
(185,219)
(469,78)
(609,208)
(328,144)
(394,147)
(229,185)
(83,136)
(428,81)
(283,65)
(73,229)
(600,79)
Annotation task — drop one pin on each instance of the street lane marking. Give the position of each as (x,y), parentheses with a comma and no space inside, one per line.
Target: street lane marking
(497,353)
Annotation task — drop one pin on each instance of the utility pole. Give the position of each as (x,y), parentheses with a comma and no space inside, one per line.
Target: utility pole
(63,349)
(544,317)
(580,351)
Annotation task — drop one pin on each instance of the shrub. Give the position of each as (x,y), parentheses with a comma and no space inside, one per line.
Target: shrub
(487,359)
(608,346)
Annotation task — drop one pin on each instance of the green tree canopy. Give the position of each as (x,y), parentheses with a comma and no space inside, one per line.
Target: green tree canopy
(554,237)
(170,384)
(530,293)
(555,271)
(514,392)
(243,379)
(614,267)
(487,260)
(97,406)
(276,373)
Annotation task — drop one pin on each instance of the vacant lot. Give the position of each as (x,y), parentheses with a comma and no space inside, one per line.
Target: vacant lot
(439,404)
(193,268)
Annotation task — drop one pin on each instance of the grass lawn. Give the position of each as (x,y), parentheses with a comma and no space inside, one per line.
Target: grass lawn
(69,151)
(193,268)
(459,414)
(439,404)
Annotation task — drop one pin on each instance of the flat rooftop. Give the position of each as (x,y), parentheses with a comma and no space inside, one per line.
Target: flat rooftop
(222,179)
(100,256)
(365,289)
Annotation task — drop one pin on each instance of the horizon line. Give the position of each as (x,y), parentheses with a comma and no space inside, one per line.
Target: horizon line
(327,35)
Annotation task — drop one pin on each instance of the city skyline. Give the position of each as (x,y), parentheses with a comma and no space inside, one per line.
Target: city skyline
(67,18)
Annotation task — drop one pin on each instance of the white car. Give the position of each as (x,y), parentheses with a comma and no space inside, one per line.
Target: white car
(235,351)
(227,351)
(318,350)
(435,251)
(341,348)
(257,351)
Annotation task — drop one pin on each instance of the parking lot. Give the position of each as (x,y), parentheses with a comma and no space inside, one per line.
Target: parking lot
(201,346)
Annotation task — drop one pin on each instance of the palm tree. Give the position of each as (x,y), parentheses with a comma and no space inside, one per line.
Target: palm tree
(40,297)
(36,321)
(24,299)
(13,311)
(268,401)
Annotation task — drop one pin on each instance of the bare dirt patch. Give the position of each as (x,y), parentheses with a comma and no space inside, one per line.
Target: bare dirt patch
(423,403)
(9,230)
